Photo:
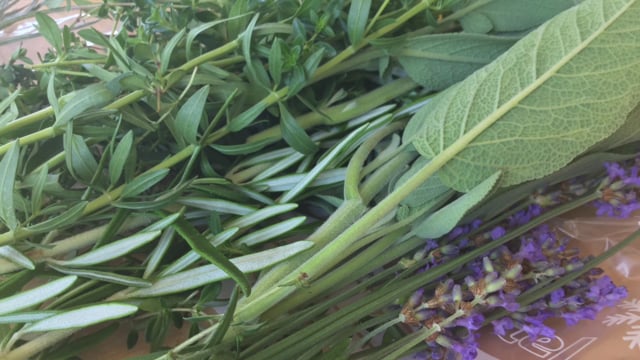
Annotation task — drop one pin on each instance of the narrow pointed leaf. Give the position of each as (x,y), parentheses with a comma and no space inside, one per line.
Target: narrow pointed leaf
(79,159)
(188,117)
(82,317)
(65,218)
(16,257)
(144,182)
(90,97)
(28,298)
(49,29)
(202,247)
(8,169)
(445,219)
(165,56)
(111,251)
(272,231)
(294,134)
(554,94)
(26,317)
(103,276)
(222,206)
(119,157)
(357,20)
(193,278)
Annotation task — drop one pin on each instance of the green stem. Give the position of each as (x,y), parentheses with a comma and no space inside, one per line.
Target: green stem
(344,111)
(348,52)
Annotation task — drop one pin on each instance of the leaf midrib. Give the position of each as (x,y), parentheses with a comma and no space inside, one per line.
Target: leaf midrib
(511,103)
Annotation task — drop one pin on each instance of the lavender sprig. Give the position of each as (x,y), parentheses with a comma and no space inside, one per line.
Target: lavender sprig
(497,281)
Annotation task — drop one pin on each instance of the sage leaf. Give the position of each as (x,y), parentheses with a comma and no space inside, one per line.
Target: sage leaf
(509,15)
(188,117)
(202,247)
(82,317)
(110,251)
(207,274)
(357,20)
(28,298)
(626,134)
(439,61)
(429,190)
(8,169)
(554,94)
(445,219)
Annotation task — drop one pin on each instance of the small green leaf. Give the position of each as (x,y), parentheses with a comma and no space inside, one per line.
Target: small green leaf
(312,62)
(157,254)
(188,117)
(79,159)
(49,29)
(165,56)
(143,182)
(227,319)
(51,93)
(82,317)
(193,33)
(272,231)
(103,276)
(110,251)
(28,298)
(66,218)
(261,215)
(202,247)
(441,60)
(247,117)
(8,169)
(445,219)
(294,134)
(222,206)
(119,157)
(38,188)
(357,20)
(191,257)
(510,15)
(26,317)
(16,257)
(429,190)
(194,278)
(275,61)
(91,97)
(243,149)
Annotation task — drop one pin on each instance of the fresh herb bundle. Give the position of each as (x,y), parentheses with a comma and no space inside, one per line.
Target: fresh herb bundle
(396,158)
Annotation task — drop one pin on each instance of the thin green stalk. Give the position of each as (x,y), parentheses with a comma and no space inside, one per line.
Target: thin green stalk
(345,111)
(351,50)
(354,169)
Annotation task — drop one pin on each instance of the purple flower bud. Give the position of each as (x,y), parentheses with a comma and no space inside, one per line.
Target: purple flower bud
(416,298)
(501,326)
(497,232)
(472,322)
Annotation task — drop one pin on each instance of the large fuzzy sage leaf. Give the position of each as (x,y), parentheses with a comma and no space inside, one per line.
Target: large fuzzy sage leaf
(483,16)
(558,91)
(439,61)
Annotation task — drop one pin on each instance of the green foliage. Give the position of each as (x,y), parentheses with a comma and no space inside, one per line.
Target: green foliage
(555,90)
(206,141)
